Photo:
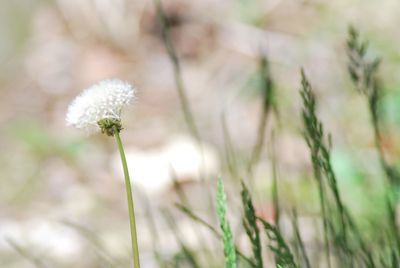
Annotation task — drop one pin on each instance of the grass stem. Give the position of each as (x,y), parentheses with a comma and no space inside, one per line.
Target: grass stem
(172,54)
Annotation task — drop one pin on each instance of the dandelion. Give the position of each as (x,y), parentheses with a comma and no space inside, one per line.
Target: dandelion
(99,108)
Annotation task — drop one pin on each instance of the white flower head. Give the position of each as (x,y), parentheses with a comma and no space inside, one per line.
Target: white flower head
(101,101)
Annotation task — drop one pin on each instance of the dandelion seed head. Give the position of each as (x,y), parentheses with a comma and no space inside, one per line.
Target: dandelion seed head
(103,100)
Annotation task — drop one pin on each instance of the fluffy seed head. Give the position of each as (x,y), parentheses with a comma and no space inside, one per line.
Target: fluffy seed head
(103,100)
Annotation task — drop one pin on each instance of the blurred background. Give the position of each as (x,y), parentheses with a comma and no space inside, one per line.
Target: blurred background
(62,196)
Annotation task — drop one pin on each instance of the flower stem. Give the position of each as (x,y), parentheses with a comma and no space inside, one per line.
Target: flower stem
(131,208)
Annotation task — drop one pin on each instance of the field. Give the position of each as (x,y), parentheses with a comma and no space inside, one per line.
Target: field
(260,133)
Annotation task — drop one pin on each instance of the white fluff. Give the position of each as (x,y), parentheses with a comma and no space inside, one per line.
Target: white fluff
(100,101)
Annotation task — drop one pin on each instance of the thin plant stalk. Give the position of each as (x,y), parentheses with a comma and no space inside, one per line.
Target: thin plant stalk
(226,231)
(104,258)
(185,249)
(214,231)
(229,149)
(299,240)
(155,235)
(184,200)
(131,207)
(364,74)
(313,136)
(36,261)
(250,225)
(180,87)
(275,193)
(267,104)
(187,113)
(259,144)
(324,221)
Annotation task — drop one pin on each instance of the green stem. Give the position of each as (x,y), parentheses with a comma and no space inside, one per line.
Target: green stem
(169,46)
(325,223)
(131,208)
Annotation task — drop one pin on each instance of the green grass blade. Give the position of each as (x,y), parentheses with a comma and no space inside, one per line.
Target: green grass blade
(267,90)
(197,219)
(283,256)
(227,237)
(250,225)
(299,240)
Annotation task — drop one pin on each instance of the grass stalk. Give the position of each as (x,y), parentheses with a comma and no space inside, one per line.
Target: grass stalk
(313,136)
(275,193)
(299,240)
(364,75)
(183,199)
(267,95)
(250,226)
(186,250)
(24,253)
(189,118)
(214,231)
(229,149)
(180,87)
(227,237)
(323,205)
(155,234)
(90,235)
(283,255)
